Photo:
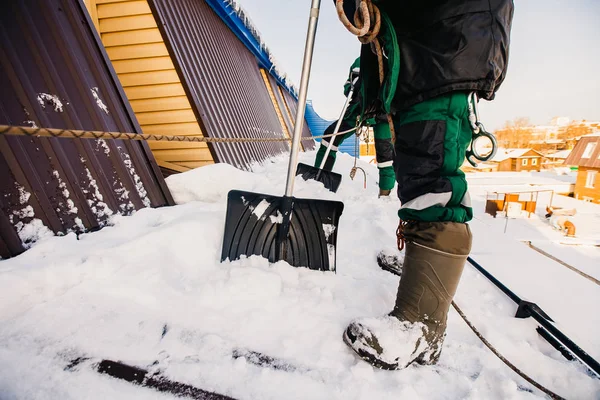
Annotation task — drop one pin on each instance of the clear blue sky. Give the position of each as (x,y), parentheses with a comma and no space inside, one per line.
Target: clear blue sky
(554,66)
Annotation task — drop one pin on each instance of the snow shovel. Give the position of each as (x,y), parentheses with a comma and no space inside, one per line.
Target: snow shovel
(330,179)
(302,232)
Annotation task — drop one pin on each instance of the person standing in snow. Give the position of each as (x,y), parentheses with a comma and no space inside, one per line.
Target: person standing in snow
(437,54)
(384,149)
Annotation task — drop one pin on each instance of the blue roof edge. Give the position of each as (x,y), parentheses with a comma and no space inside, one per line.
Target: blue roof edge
(230,17)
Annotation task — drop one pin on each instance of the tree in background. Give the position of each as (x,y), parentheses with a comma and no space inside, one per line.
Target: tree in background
(515,134)
(575,129)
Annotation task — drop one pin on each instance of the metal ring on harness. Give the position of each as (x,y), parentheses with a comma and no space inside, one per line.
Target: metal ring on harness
(472,151)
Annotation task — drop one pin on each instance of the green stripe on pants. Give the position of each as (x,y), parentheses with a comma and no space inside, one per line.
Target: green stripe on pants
(384,152)
(431,140)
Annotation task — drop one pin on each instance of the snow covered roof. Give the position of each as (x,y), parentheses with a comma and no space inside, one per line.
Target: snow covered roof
(559,154)
(593,134)
(505,154)
(126,292)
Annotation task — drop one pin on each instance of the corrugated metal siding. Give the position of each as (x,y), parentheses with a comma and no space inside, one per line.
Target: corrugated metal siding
(292,106)
(576,156)
(136,47)
(54,73)
(222,79)
(318,125)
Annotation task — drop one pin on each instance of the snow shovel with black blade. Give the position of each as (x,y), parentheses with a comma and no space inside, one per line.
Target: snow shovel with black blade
(302,232)
(329,179)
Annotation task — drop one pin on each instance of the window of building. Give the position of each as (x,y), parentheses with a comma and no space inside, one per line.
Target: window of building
(589,150)
(524,161)
(590,179)
(534,161)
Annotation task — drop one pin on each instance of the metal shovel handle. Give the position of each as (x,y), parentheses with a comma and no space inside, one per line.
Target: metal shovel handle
(299,124)
(338,124)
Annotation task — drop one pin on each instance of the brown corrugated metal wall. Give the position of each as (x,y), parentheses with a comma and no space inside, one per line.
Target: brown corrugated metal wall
(55,73)
(222,78)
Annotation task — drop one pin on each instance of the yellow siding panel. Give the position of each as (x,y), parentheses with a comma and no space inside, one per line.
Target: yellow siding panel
(149,78)
(120,24)
(186,155)
(181,129)
(154,91)
(177,145)
(137,36)
(142,65)
(123,9)
(166,117)
(137,51)
(161,104)
(135,46)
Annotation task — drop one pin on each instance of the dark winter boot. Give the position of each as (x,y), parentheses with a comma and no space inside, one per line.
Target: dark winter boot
(414,331)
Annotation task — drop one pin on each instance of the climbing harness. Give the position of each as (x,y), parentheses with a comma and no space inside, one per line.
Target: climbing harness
(479,133)
(366,26)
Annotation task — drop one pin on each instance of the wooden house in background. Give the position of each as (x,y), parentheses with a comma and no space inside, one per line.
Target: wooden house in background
(586,155)
(517,160)
(556,159)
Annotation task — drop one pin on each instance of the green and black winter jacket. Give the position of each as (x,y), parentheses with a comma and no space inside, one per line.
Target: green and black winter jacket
(444,46)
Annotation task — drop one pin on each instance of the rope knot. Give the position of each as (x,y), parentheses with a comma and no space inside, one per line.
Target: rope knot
(400,238)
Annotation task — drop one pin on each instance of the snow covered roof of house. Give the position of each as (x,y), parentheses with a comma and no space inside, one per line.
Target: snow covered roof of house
(559,154)
(593,134)
(505,154)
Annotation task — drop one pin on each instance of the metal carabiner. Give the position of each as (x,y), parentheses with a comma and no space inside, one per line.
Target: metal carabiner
(473,112)
(478,133)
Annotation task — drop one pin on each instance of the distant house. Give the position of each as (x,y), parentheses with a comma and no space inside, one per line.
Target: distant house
(586,155)
(518,160)
(556,159)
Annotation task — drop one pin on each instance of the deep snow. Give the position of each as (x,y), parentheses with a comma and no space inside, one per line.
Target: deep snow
(113,293)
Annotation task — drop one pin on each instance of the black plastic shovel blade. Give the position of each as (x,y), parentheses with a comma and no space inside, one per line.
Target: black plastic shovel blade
(254,222)
(330,180)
